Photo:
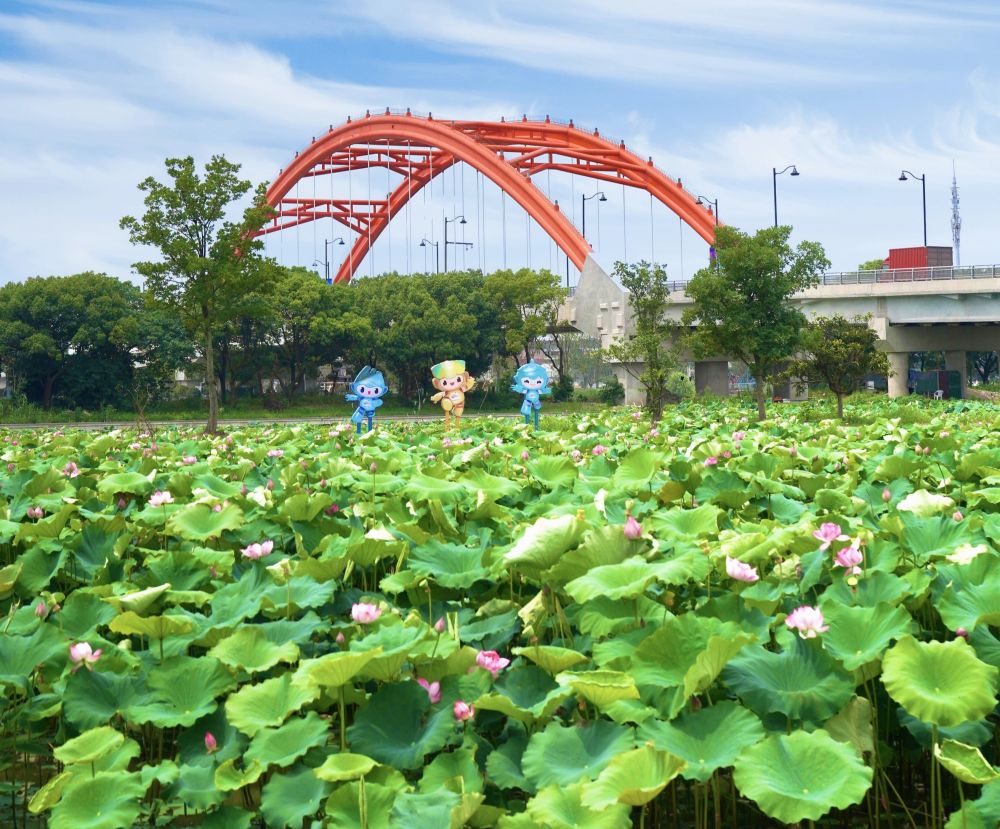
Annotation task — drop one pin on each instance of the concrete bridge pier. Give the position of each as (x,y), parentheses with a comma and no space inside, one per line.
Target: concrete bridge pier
(955,361)
(712,376)
(899,363)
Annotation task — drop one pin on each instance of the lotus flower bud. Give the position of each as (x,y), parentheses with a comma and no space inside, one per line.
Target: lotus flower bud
(962,632)
(886,495)
(440,625)
(211,745)
(632,529)
(270,483)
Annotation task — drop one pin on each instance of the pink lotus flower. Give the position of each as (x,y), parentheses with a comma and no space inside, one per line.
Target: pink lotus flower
(275,453)
(636,415)
(886,495)
(957,515)
(711,460)
(525,455)
(158,499)
(849,558)
(135,446)
(828,533)
(41,610)
(654,432)
(600,449)
(333,509)
(632,528)
(433,690)
(463,710)
(122,503)
(11,467)
(576,454)
(808,621)
(258,550)
(81,654)
(740,570)
(270,484)
(211,745)
(243,489)
(727,454)
(492,662)
(446,442)
(365,613)
(71,470)
(440,625)
(35,512)
(794,452)
(962,632)
(187,460)
(738,436)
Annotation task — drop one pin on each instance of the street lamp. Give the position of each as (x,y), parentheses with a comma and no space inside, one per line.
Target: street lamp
(774,180)
(326,256)
(583,207)
(437,253)
(923,186)
(715,207)
(461,220)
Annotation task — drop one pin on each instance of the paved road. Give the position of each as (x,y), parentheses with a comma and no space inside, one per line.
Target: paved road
(250,421)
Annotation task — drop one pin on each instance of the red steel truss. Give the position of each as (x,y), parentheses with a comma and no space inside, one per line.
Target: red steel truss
(509,153)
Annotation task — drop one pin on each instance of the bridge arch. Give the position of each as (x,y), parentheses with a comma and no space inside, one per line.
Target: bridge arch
(509,153)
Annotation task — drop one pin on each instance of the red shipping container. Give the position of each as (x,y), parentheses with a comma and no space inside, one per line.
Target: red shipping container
(922,257)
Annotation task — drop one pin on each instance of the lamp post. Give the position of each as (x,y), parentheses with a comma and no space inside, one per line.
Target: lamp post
(923,187)
(326,256)
(461,220)
(774,180)
(715,207)
(437,253)
(583,207)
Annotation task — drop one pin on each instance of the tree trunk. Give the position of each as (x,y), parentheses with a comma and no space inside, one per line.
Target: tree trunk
(223,370)
(47,392)
(213,391)
(761,394)
(840,405)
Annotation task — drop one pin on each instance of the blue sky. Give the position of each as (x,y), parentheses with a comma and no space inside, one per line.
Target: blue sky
(97,94)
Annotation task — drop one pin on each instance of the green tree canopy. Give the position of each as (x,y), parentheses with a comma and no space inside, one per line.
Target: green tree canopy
(527,302)
(872,265)
(839,352)
(740,304)
(208,263)
(647,355)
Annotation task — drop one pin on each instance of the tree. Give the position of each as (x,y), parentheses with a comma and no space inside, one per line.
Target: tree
(740,303)
(208,263)
(71,336)
(984,364)
(839,352)
(648,298)
(527,302)
(872,265)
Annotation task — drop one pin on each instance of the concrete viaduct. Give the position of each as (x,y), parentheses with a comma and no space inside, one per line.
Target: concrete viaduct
(954,310)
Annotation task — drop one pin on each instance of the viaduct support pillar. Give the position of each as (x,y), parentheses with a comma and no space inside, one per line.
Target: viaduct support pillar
(899,363)
(712,376)
(955,361)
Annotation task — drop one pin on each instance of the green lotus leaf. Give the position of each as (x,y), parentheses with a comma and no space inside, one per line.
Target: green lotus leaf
(983,813)
(199,522)
(214,485)
(229,778)
(344,766)
(48,795)
(195,784)
(925,504)
(637,469)
(602,545)
(304,507)
(504,764)
(526,694)
(228,817)
(250,650)
(267,703)
(801,776)
(20,654)
(396,642)
(460,763)
(853,724)
(631,577)
(565,754)
(966,763)
(969,595)
(599,688)
(932,536)
(633,778)
(707,740)
(551,658)
(165,772)
(425,488)
(289,797)
(140,601)
(553,471)
(89,746)
(479,480)
(360,805)
(871,590)
(973,732)
(108,800)
(399,726)
(939,682)
(82,613)
(687,523)
(858,635)
(450,565)
(131,482)
(154,627)
(603,616)
(334,669)
(542,543)
(182,690)
(561,807)
(801,682)
(283,745)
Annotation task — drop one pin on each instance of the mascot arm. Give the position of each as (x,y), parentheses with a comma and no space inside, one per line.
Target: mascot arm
(376,403)
(470,383)
(350,397)
(436,397)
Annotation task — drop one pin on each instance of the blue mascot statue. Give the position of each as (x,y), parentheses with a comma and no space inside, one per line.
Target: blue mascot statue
(367,389)
(531,380)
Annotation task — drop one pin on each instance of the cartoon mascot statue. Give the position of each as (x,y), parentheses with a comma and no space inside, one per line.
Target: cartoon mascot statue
(367,390)
(531,380)
(452,381)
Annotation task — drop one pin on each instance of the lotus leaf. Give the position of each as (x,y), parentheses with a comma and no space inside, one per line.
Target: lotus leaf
(89,746)
(561,807)
(344,766)
(858,635)
(633,778)
(109,800)
(564,754)
(966,763)
(199,522)
(360,805)
(269,703)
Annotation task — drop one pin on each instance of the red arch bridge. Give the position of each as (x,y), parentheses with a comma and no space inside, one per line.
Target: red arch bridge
(418,149)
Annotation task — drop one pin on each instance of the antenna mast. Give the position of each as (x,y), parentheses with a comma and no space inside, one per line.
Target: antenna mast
(956,219)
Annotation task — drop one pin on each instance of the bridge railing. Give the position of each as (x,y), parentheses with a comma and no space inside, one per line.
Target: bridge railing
(884,276)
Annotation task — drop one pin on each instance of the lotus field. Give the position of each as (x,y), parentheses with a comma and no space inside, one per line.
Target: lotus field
(597,625)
